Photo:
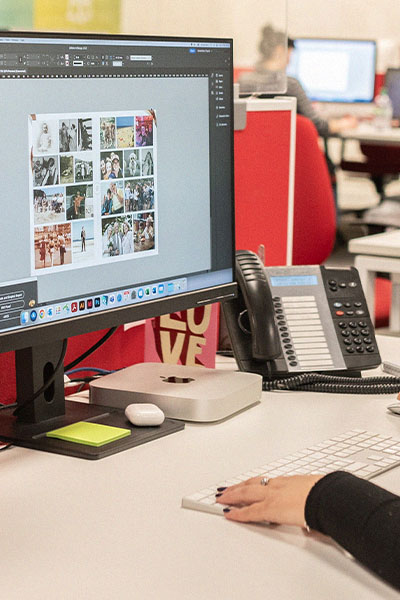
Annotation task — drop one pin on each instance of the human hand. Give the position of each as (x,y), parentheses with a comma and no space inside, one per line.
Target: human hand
(281,501)
(342,124)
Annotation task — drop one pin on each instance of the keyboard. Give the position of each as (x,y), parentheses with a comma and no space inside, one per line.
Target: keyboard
(360,452)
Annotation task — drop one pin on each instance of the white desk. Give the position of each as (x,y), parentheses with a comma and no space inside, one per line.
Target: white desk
(73,529)
(369,134)
(379,253)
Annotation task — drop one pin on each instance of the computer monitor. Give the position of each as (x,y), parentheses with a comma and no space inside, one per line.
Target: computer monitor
(335,70)
(117,196)
(392,84)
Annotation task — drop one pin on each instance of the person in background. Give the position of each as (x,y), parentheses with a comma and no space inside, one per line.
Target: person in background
(362,517)
(275,57)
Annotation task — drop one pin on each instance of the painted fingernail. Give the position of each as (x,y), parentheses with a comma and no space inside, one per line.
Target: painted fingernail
(221,489)
(218,495)
(226,510)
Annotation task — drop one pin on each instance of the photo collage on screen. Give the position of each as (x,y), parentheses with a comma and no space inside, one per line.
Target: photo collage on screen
(92,188)
(127,184)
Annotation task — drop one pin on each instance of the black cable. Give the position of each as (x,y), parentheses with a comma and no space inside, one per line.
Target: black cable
(48,382)
(4,406)
(87,353)
(72,364)
(334,384)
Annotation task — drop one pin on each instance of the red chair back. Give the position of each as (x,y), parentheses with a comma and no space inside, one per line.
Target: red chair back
(314,227)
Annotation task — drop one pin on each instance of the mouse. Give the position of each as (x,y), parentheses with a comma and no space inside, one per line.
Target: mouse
(144,415)
(394,408)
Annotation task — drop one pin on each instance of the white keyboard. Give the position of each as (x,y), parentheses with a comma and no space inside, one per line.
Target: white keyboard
(360,452)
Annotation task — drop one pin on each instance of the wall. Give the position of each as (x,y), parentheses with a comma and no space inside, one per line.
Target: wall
(374,19)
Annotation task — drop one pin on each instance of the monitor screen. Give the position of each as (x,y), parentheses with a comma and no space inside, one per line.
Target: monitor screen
(334,70)
(392,84)
(118,195)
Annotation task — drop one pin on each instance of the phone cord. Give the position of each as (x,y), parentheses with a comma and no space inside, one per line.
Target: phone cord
(333,384)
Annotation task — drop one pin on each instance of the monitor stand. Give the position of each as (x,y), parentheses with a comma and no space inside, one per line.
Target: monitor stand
(34,366)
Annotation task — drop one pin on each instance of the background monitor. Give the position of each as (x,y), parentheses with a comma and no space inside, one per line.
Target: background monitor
(117,194)
(335,70)
(392,84)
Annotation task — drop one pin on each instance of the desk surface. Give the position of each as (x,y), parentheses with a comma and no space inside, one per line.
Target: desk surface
(114,528)
(380,244)
(368,133)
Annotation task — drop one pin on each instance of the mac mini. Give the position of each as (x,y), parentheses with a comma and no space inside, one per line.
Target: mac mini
(187,393)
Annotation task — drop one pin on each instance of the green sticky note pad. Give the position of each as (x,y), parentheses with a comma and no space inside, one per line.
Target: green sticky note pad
(91,434)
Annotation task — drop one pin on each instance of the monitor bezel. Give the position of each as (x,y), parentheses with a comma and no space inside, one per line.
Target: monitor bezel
(339,39)
(11,340)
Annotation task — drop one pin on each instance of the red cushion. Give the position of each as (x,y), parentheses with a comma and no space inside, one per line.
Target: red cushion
(314,226)
(383,291)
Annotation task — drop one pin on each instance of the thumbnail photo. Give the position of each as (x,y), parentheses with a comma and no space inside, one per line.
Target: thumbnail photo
(144,131)
(143,232)
(117,236)
(110,165)
(52,246)
(66,169)
(83,241)
(84,134)
(125,132)
(146,156)
(45,170)
(107,133)
(79,201)
(48,205)
(83,169)
(112,198)
(131,163)
(139,195)
(131,195)
(44,136)
(68,134)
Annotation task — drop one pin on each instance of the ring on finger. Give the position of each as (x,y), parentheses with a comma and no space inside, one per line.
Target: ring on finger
(264,480)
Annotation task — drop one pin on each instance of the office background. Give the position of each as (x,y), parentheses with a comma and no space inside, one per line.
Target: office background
(340,18)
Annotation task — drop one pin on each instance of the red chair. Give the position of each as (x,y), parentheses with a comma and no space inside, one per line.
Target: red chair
(314,224)
(383,295)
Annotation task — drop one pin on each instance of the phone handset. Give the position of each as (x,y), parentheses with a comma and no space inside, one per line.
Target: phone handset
(250,317)
(259,309)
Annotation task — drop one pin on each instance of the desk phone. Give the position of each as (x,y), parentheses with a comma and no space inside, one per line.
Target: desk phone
(290,320)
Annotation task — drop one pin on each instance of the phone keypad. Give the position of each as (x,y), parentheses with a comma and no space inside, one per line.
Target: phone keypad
(356,337)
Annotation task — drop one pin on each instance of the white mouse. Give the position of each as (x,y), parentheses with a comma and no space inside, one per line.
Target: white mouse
(394,408)
(144,415)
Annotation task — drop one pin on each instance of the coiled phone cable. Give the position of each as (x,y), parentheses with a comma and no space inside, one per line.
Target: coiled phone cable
(334,384)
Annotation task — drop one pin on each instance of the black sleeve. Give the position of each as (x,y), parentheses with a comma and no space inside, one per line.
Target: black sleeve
(362,517)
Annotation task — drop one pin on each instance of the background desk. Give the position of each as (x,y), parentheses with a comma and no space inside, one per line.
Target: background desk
(379,253)
(74,529)
(369,134)
(380,154)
